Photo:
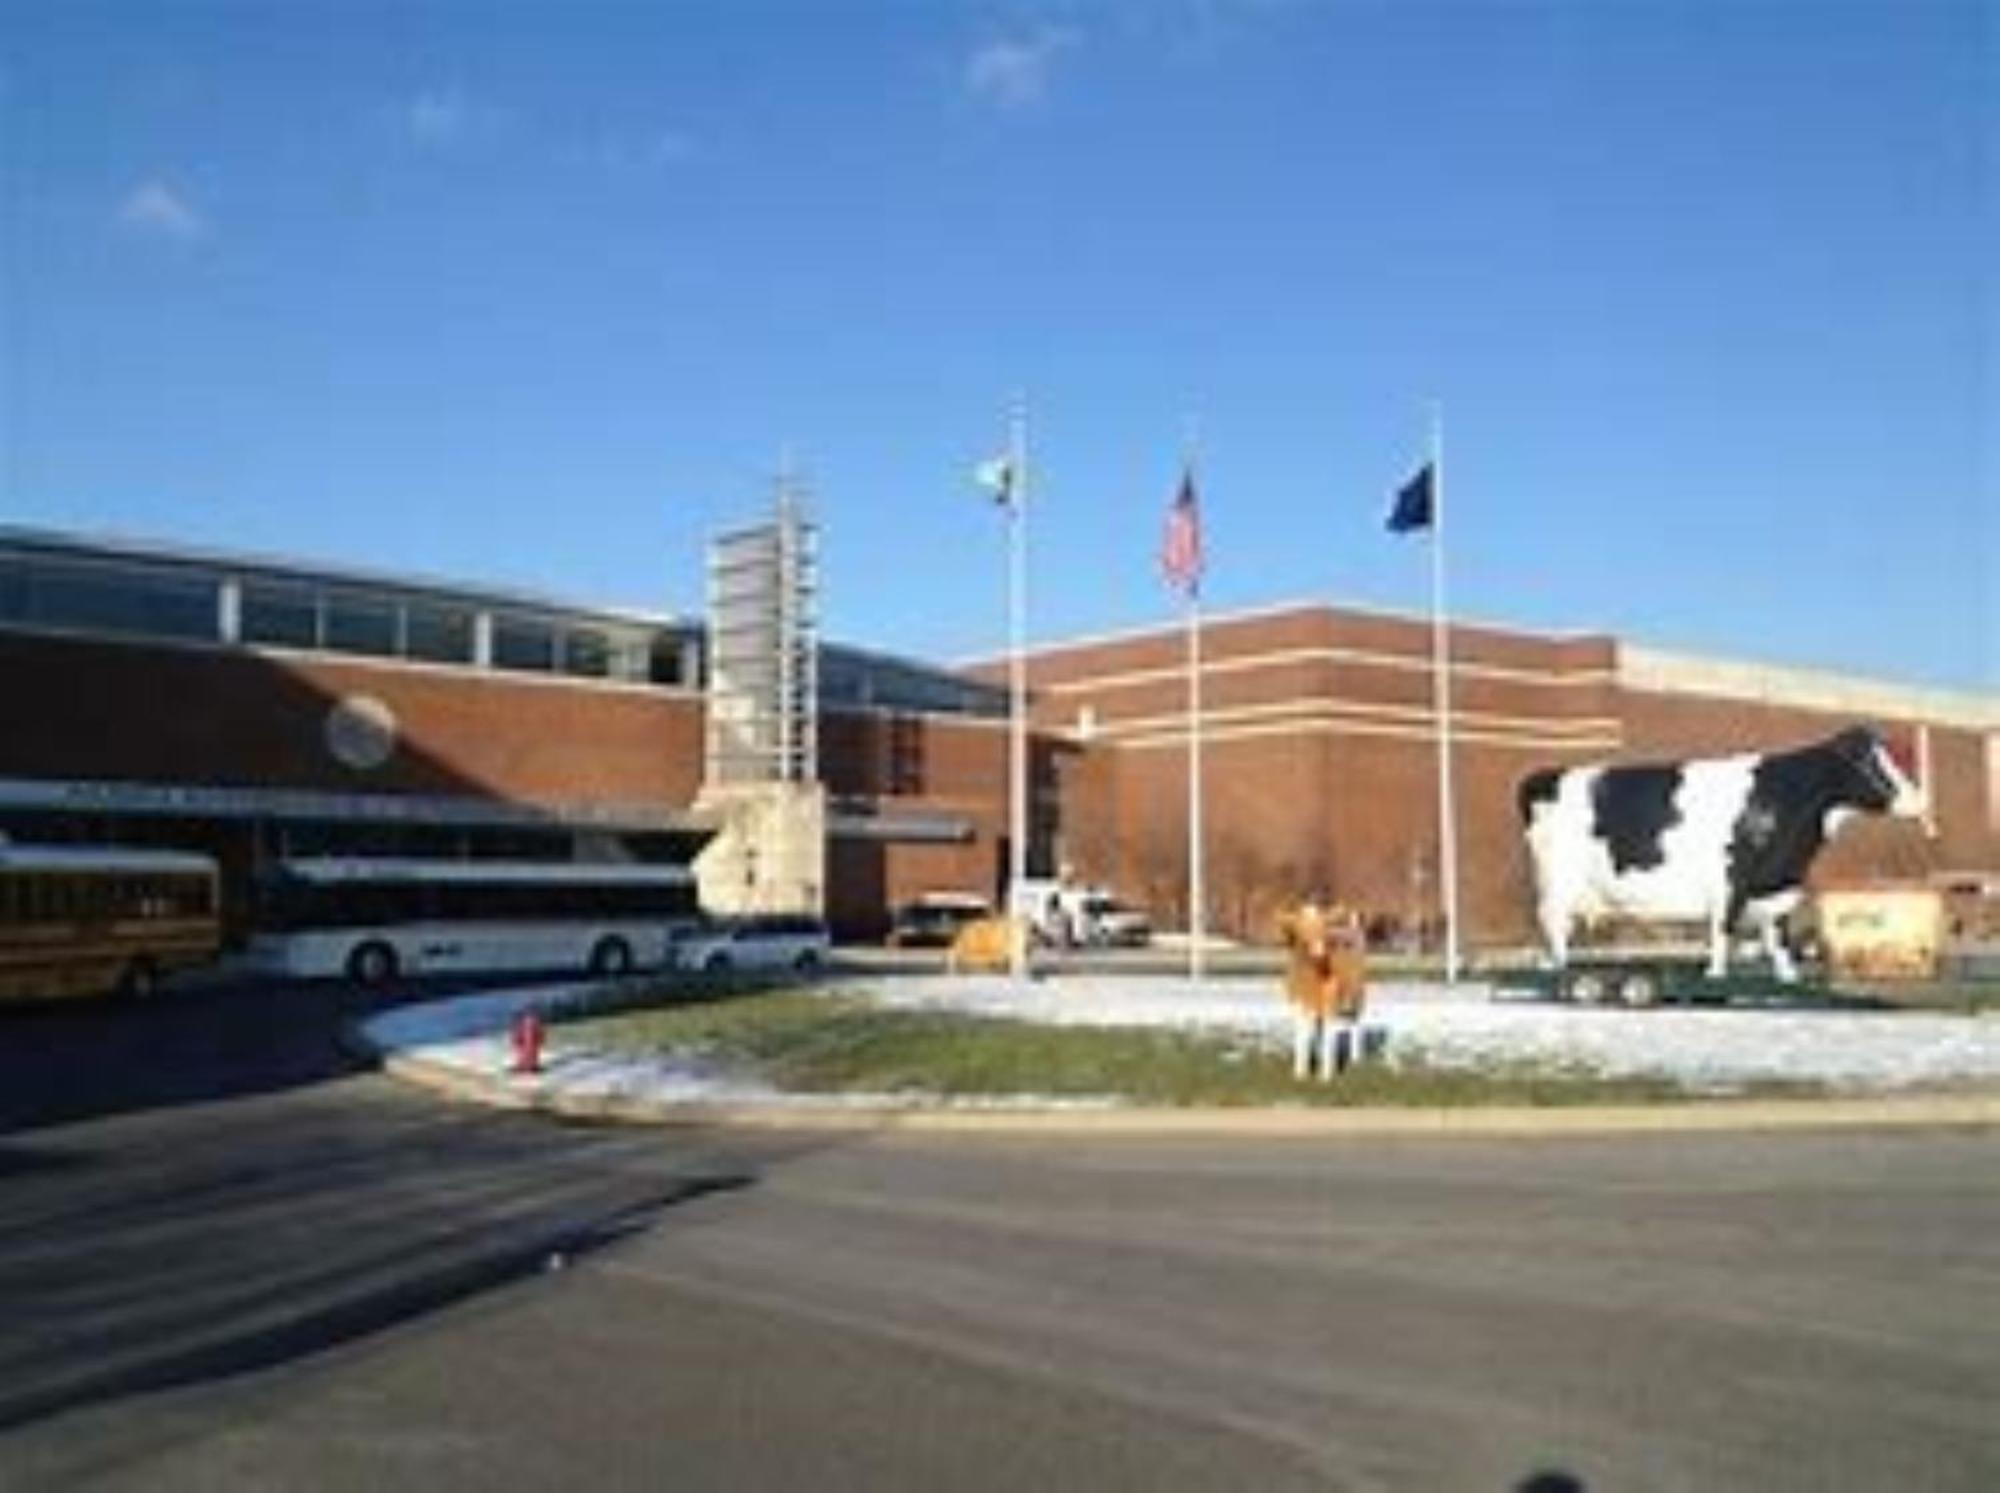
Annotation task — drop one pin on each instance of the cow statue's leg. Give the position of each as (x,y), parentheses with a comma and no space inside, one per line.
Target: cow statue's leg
(1782,964)
(1329,1048)
(1552,914)
(1302,1041)
(1347,1044)
(1721,918)
(1770,918)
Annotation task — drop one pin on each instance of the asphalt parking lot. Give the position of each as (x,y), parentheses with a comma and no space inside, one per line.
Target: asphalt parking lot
(296,1274)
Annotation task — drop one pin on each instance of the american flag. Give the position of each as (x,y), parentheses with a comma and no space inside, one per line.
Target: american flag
(1180,552)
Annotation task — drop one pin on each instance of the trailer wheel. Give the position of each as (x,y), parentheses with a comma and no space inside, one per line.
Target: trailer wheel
(1639,989)
(1587,989)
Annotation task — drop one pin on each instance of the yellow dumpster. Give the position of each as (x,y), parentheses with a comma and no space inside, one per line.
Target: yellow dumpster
(1882,932)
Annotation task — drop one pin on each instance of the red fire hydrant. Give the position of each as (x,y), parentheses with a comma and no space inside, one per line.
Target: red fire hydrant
(527,1033)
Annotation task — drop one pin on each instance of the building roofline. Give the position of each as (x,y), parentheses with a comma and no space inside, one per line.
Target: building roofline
(139,550)
(1278,609)
(1637,666)
(1641,667)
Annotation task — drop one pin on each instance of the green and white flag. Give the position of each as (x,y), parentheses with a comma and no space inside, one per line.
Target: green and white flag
(997,477)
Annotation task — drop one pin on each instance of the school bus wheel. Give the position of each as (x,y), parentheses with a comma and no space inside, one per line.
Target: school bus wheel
(139,980)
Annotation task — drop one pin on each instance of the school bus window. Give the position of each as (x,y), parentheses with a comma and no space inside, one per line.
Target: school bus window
(101,916)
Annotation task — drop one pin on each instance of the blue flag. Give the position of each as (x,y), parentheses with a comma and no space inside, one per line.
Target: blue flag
(1416,503)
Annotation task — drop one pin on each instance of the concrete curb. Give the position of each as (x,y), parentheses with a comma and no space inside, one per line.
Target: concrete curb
(1719,1116)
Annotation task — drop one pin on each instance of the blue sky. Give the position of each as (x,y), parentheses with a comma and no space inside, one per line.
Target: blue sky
(535,294)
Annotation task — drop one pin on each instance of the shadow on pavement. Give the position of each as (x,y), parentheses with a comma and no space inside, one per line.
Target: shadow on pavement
(63,1062)
(267,1234)
(1551,1480)
(344,1306)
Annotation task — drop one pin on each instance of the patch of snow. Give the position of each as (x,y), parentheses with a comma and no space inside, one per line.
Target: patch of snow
(470,1034)
(1463,1027)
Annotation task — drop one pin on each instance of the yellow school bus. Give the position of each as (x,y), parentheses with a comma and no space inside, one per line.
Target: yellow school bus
(93,921)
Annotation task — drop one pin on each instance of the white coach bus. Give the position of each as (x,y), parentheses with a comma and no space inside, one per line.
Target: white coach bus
(374,920)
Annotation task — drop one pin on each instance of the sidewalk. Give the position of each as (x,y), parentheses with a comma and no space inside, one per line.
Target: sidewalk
(460,1048)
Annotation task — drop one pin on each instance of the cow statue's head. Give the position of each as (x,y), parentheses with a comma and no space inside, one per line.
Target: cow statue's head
(1872,776)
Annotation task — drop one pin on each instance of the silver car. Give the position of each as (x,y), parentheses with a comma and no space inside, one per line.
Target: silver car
(758,941)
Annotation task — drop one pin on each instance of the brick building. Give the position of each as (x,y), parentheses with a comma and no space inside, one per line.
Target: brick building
(258,707)
(1320,769)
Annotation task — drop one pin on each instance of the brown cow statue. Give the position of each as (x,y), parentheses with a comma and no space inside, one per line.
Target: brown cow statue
(1326,982)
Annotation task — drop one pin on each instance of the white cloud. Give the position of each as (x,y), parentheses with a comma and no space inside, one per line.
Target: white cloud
(672,146)
(629,154)
(652,153)
(156,208)
(1014,72)
(441,118)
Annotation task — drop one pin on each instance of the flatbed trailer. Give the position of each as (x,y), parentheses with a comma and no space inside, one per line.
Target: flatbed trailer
(1643,980)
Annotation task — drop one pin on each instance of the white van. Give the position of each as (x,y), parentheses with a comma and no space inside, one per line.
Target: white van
(1071,916)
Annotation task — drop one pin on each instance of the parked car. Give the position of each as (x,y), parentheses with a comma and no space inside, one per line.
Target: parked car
(757,941)
(932,921)
(1113,924)
(1067,915)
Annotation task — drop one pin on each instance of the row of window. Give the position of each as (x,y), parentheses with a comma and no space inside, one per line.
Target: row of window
(53,593)
(386,627)
(46,591)
(778,925)
(849,679)
(157,601)
(29,897)
(289,905)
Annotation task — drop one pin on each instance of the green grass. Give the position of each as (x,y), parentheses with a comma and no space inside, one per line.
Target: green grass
(842,1043)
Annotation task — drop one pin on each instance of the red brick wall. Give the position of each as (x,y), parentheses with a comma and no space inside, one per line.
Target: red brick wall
(903,764)
(1320,770)
(90,709)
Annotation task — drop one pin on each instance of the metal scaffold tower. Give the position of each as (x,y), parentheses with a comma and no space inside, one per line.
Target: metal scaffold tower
(763,649)
(762,785)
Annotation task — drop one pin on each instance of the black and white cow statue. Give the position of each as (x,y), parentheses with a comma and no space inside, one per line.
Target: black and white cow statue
(1708,839)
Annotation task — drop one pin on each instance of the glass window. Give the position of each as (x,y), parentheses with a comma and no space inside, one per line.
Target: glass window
(441,634)
(663,660)
(361,624)
(522,644)
(13,588)
(287,616)
(586,651)
(110,598)
(629,656)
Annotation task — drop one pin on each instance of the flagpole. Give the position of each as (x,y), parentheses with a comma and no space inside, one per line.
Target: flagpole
(1181,564)
(1197,900)
(1017,671)
(1441,670)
